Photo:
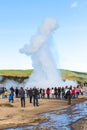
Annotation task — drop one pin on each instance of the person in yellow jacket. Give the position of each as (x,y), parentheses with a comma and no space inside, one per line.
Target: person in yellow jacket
(6,93)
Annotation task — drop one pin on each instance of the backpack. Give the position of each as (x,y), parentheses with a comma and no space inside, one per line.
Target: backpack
(68,92)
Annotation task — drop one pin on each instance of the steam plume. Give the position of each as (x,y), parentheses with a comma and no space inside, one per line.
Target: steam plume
(45,73)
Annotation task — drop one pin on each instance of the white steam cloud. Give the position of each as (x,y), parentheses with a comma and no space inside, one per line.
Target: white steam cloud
(45,72)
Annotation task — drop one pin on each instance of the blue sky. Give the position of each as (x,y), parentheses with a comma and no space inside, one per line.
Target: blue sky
(20,19)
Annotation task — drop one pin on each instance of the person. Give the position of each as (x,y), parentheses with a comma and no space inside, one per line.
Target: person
(48,93)
(68,95)
(30,94)
(73,92)
(16,92)
(52,92)
(11,97)
(12,94)
(56,92)
(22,97)
(63,92)
(35,96)
(77,91)
(12,89)
(59,92)
(43,93)
(5,93)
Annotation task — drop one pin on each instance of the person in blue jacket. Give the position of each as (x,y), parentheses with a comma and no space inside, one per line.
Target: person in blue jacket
(11,97)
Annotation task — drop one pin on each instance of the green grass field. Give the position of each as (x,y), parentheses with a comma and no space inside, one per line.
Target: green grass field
(16,73)
(66,74)
(73,75)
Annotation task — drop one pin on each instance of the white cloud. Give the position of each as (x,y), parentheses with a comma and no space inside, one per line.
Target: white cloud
(74,4)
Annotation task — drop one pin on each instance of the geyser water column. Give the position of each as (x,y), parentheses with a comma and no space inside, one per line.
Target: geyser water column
(45,72)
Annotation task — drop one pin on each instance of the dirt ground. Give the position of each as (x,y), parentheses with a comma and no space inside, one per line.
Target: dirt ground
(13,115)
(80,124)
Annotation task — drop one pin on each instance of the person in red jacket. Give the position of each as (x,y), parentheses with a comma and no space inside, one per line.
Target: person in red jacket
(73,92)
(48,93)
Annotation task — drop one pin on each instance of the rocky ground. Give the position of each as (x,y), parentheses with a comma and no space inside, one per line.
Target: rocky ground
(12,115)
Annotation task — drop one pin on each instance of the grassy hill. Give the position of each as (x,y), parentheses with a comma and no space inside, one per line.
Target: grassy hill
(73,75)
(17,73)
(66,74)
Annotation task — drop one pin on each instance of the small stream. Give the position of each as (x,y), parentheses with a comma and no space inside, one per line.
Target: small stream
(60,119)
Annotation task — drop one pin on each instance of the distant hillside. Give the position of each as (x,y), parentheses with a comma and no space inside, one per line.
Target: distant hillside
(22,74)
(16,73)
(73,75)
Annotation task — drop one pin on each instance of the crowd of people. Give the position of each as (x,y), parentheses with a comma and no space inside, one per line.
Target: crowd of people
(32,94)
(36,93)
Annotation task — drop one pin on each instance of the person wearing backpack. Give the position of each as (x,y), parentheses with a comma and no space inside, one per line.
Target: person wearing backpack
(22,96)
(35,96)
(68,95)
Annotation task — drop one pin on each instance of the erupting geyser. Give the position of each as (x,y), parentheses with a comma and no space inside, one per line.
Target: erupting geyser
(45,72)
